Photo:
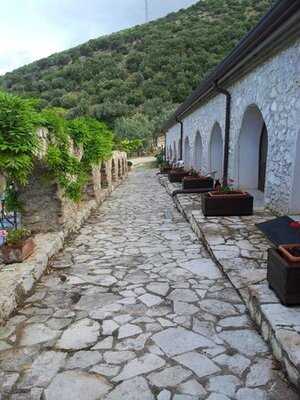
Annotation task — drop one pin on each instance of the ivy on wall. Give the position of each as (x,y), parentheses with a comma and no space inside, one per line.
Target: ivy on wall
(19,144)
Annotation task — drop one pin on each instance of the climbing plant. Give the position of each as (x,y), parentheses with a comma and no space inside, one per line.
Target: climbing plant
(18,139)
(19,144)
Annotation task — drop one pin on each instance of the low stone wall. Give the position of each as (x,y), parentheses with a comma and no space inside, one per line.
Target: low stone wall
(52,217)
(46,209)
(240,251)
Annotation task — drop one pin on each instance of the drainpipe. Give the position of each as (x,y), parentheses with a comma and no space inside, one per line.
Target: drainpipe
(181,139)
(227,130)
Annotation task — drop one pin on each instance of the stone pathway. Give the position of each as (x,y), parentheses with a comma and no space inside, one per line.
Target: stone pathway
(135,309)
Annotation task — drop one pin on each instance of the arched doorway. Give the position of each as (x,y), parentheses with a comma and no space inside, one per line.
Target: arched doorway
(198,152)
(187,153)
(170,154)
(216,151)
(295,198)
(253,151)
(179,150)
(175,152)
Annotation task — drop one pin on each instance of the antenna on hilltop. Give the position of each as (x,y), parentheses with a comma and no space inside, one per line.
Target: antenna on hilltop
(146,11)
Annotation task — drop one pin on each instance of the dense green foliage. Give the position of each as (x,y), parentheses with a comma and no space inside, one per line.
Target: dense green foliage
(19,145)
(134,79)
(18,140)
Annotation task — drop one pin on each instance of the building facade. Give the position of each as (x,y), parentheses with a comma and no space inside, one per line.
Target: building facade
(248,111)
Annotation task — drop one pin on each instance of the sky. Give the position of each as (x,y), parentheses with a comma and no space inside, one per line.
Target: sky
(33,29)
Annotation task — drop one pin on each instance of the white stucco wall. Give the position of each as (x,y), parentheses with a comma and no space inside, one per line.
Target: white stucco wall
(274,87)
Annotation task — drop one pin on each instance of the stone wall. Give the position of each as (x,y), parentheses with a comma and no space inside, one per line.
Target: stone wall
(46,209)
(273,89)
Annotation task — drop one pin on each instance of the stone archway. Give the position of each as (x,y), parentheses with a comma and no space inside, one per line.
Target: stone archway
(216,151)
(252,150)
(187,153)
(295,195)
(198,152)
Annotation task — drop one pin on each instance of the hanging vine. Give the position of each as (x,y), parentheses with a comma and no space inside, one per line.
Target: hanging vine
(19,144)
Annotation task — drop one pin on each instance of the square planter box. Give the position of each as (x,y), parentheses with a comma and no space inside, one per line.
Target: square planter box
(219,205)
(177,175)
(191,182)
(284,278)
(165,170)
(17,253)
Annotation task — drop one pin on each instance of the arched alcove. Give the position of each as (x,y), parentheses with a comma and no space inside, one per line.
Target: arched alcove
(104,178)
(170,153)
(174,151)
(179,149)
(198,152)
(216,151)
(295,196)
(113,170)
(119,169)
(187,153)
(252,150)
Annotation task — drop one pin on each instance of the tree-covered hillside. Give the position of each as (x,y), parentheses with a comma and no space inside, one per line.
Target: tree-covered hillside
(134,78)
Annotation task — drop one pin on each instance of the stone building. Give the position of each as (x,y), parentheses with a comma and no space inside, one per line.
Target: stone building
(243,121)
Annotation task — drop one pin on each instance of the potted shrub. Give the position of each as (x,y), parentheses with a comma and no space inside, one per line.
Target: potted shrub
(194,180)
(177,174)
(165,167)
(227,201)
(18,246)
(284,275)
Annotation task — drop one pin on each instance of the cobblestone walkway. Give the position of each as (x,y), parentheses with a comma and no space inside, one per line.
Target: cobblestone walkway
(134,309)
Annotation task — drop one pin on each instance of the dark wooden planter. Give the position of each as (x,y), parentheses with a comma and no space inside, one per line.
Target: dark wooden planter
(17,253)
(227,204)
(165,170)
(284,278)
(177,175)
(198,182)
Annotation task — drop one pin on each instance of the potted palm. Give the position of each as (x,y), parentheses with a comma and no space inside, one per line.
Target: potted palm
(227,201)
(194,180)
(18,246)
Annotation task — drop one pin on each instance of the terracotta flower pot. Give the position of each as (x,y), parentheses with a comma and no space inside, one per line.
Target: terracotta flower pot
(17,253)
(291,252)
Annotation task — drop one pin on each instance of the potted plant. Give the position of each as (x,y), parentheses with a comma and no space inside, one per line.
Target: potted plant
(165,167)
(177,174)
(227,201)
(194,180)
(283,275)
(18,245)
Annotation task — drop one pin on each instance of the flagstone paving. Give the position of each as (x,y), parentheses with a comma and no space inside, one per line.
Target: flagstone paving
(140,312)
